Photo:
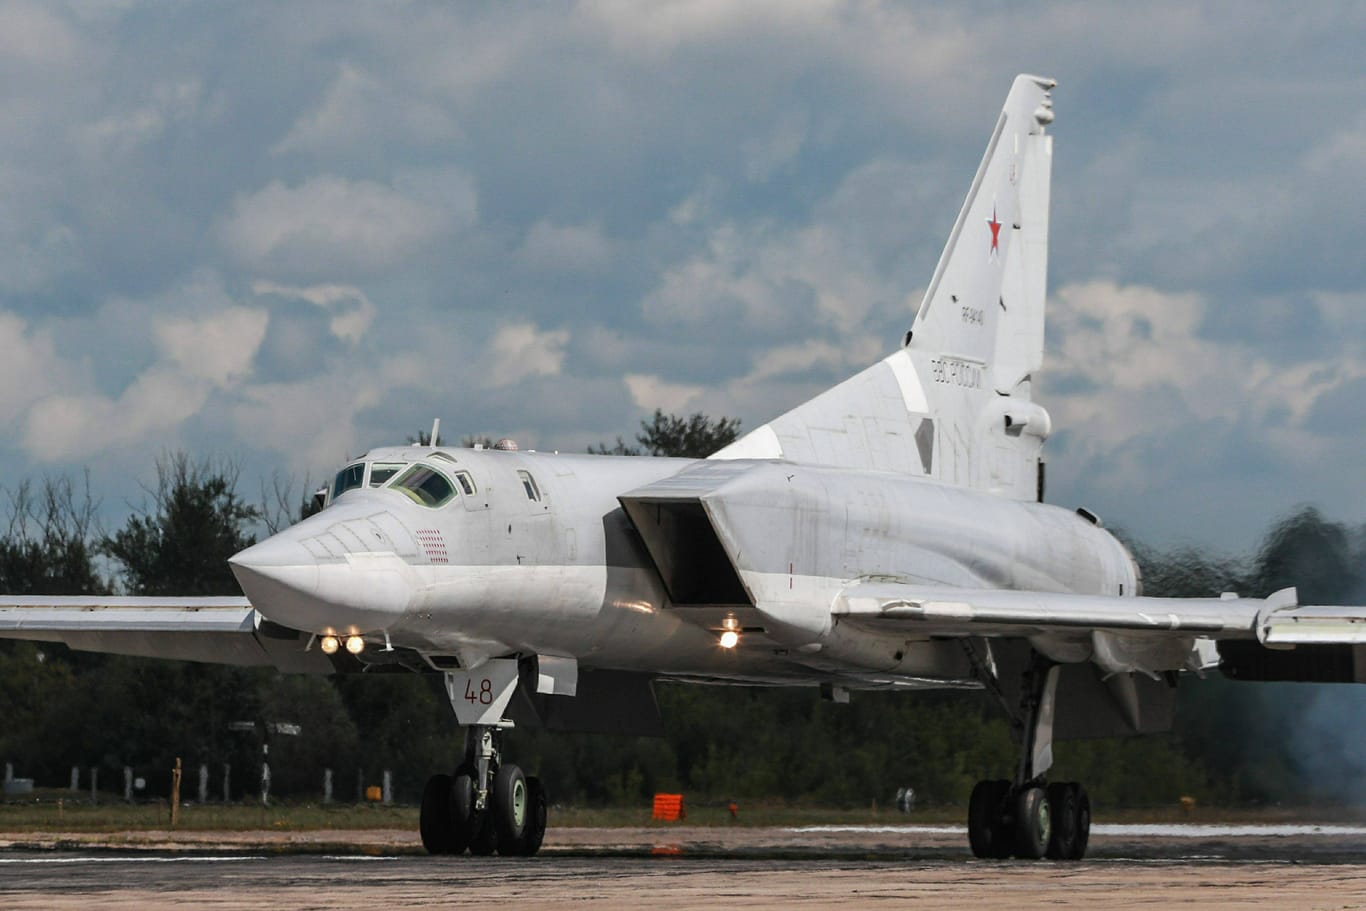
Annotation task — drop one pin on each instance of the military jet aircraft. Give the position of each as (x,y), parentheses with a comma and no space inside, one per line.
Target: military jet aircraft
(887,534)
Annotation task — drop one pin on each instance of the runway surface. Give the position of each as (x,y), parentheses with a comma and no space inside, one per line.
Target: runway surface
(1214,867)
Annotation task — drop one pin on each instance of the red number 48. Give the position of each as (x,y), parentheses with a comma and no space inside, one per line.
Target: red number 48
(485,694)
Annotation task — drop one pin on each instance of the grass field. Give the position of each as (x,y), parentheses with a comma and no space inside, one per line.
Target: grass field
(55,811)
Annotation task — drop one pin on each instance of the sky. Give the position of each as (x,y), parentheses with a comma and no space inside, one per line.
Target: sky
(282,233)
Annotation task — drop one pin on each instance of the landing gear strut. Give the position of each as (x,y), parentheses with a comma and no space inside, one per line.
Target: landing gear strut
(1027,817)
(489,804)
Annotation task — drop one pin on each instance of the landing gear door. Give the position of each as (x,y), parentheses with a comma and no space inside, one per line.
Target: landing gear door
(481,696)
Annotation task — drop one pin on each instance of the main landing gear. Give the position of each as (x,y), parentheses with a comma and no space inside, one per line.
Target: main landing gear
(488,804)
(1027,817)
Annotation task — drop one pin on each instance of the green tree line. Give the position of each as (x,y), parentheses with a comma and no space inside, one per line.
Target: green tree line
(1234,742)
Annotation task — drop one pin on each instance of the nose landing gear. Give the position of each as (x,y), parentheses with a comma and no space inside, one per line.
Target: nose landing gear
(489,804)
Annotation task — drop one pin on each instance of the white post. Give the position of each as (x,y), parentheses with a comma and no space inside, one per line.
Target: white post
(127,784)
(388,788)
(75,778)
(203,783)
(327,785)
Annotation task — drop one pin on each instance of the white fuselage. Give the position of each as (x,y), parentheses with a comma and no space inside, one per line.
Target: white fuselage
(556,567)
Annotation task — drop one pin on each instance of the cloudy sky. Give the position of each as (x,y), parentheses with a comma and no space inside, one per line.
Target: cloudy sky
(283,233)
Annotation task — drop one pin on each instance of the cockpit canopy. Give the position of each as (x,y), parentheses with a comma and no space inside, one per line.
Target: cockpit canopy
(427,482)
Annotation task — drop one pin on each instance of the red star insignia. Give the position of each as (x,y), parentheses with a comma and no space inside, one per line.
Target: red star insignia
(995,227)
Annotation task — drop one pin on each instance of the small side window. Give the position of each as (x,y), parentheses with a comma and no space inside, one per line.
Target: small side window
(466,482)
(529,485)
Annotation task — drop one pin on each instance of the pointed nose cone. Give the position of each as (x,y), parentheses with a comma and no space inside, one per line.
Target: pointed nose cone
(352,593)
(280,578)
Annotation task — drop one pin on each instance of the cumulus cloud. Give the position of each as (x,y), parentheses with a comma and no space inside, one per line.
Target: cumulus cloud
(651,392)
(123,132)
(662,28)
(31,34)
(1129,365)
(29,366)
(329,225)
(198,356)
(366,114)
(351,311)
(762,279)
(219,348)
(521,349)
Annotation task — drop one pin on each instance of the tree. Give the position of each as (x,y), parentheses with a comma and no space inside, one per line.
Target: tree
(181,545)
(48,549)
(284,503)
(693,437)
(153,710)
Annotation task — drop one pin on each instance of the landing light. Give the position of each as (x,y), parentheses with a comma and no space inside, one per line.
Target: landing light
(730,638)
(329,645)
(355,644)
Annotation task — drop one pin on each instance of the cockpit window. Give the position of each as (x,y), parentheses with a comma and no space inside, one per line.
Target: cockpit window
(425,485)
(383,471)
(348,477)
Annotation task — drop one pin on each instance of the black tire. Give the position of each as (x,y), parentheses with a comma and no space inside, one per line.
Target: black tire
(462,809)
(988,834)
(434,818)
(535,817)
(1062,806)
(1083,822)
(510,809)
(1033,825)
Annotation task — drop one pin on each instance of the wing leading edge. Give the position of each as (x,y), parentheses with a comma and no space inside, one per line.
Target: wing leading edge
(216,630)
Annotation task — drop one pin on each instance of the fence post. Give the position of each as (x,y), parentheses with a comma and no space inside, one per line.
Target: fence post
(388,788)
(203,783)
(227,780)
(175,793)
(75,778)
(127,784)
(327,785)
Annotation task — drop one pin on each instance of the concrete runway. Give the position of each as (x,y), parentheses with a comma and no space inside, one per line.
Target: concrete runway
(690,867)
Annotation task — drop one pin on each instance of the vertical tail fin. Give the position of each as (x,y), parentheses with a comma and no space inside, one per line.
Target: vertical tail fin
(954,402)
(985,303)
